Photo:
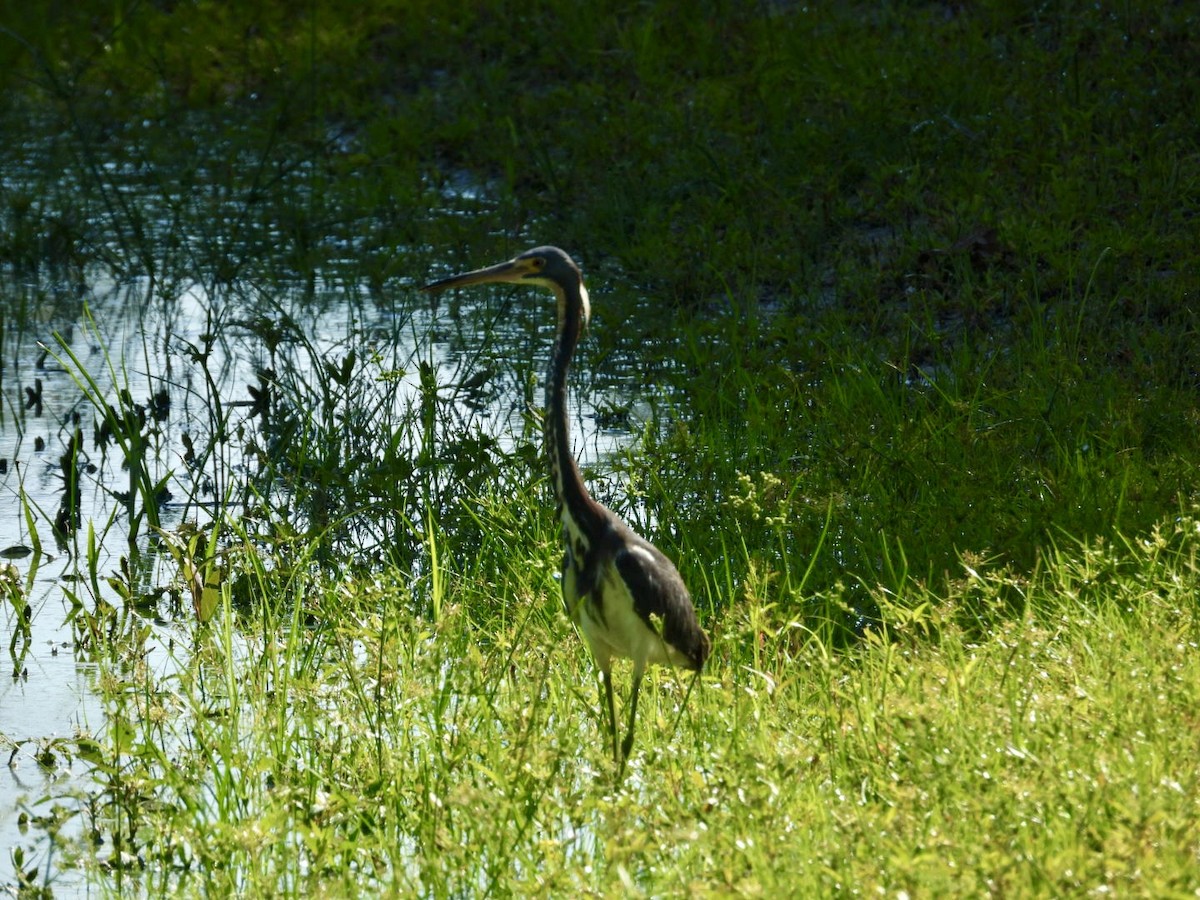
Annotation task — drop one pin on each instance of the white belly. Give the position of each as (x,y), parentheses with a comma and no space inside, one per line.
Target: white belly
(615,628)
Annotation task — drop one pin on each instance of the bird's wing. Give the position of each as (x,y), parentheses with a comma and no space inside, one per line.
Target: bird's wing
(653,582)
(658,590)
(655,585)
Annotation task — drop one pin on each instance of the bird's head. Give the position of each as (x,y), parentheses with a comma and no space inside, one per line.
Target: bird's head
(548,267)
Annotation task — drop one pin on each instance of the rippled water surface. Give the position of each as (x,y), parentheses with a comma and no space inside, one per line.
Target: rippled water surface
(182,354)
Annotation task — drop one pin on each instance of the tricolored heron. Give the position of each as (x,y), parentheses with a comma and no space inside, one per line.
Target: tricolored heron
(623,594)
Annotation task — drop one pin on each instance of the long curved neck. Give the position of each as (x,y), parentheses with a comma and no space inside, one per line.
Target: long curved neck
(574,502)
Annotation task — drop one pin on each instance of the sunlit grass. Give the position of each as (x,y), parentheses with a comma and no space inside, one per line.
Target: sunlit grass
(328,740)
(911,361)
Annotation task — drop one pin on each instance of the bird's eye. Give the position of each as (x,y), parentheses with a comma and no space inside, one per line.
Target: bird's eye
(538,262)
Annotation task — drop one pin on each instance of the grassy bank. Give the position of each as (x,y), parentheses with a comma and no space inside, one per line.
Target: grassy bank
(357,747)
(898,302)
(934,264)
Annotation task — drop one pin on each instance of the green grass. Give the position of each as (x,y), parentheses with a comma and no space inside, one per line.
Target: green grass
(898,299)
(330,741)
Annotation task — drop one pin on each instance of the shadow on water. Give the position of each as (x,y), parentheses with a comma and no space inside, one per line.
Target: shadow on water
(137,412)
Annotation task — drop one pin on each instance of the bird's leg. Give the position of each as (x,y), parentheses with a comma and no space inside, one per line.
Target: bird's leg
(607,700)
(683,706)
(639,669)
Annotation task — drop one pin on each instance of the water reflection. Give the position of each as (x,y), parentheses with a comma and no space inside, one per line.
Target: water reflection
(125,409)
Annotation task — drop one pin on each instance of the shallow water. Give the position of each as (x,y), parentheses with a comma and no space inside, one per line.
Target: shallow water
(137,340)
(130,267)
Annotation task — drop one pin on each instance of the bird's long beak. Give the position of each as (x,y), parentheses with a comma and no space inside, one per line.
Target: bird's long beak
(514,271)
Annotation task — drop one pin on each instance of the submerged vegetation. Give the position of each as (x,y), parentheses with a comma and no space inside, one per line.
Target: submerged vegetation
(895,352)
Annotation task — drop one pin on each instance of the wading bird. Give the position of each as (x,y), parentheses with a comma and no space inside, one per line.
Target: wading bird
(623,594)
